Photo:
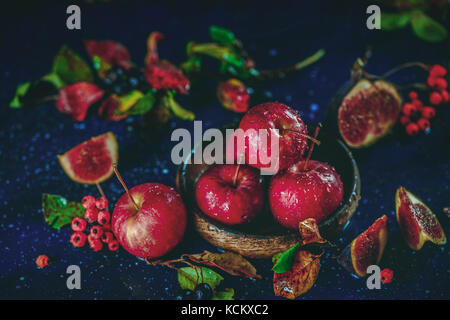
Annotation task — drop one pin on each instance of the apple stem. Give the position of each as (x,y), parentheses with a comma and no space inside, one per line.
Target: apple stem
(306,136)
(316,132)
(237,171)
(119,177)
(99,188)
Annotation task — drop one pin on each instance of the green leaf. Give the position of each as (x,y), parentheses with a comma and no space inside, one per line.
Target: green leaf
(284,262)
(426,28)
(217,51)
(391,21)
(101,66)
(54,79)
(21,91)
(226,294)
(144,105)
(190,277)
(70,68)
(169,101)
(192,64)
(58,211)
(222,35)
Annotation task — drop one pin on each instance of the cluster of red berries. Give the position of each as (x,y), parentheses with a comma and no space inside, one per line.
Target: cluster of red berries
(438,84)
(415,116)
(96,212)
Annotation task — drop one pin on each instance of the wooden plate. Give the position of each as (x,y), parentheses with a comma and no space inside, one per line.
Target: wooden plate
(264,237)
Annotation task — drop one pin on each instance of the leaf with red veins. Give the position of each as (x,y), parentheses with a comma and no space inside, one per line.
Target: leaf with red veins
(164,75)
(111,52)
(152,47)
(75,100)
(109,107)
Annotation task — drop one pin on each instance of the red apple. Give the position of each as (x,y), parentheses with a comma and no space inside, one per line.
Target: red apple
(155,225)
(296,194)
(231,194)
(292,136)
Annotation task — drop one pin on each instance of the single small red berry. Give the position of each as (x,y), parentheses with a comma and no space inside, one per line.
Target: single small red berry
(404,120)
(101,203)
(78,239)
(104,217)
(431,81)
(417,103)
(107,237)
(42,261)
(435,98)
(441,84)
(113,245)
(78,224)
(88,202)
(91,215)
(445,96)
(96,232)
(409,109)
(423,124)
(386,275)
(437,71)
(96,245)
(412,129)
(413,95)
(428,112)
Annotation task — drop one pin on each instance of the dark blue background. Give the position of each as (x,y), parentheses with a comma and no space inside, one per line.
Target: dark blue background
(275,35)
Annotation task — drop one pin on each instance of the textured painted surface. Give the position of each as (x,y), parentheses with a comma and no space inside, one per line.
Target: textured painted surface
(31,139)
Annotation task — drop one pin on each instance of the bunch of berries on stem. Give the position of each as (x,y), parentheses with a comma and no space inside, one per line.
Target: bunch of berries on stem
(100,232)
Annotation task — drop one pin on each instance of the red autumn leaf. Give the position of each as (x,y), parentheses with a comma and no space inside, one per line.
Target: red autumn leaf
(229,262)
(152,47)
(75,100)
(111,52)
(108,109)
(164,75)
(309,232)
(300,278)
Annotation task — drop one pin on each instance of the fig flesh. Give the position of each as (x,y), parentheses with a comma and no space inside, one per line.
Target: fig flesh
(368,112)
(416,221)
(366,249)
(91,161)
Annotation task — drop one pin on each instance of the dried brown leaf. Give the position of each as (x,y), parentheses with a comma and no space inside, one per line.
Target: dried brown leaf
(229,262)
(301,277)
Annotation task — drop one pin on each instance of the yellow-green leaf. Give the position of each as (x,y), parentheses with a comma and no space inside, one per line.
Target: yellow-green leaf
(426,28)
(190,277)
(70,68)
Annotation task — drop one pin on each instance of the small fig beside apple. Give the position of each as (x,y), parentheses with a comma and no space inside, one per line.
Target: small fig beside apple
(416,221)
(366,249)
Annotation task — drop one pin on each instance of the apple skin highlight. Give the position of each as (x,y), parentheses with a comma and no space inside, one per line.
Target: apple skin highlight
(156,227)
(296,194)
(229,200)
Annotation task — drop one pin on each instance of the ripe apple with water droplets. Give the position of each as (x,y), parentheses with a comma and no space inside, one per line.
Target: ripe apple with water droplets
(301,192)
(231,194)
(149,220)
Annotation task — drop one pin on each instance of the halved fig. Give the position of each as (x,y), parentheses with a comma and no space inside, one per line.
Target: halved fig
(368,112)
(91,161)
(366,249)
(417,222)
